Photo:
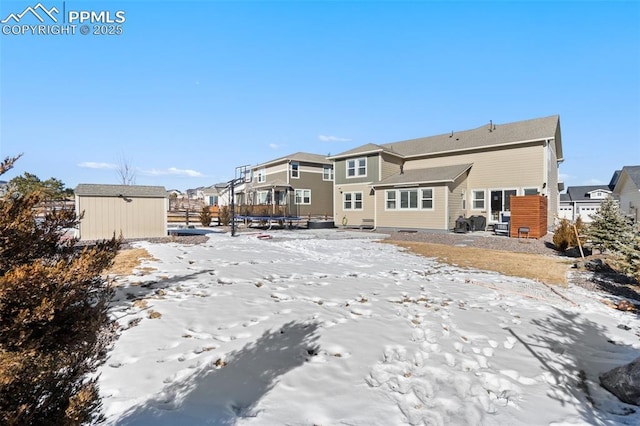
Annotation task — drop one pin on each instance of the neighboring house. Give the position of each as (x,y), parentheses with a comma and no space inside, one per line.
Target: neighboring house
(299,184)
(213,194)
(427,183)
(627,188)
(3,187)
(583,201)
(131,211)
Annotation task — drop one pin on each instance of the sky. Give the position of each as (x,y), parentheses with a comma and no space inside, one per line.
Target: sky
(322,327)
(188,91)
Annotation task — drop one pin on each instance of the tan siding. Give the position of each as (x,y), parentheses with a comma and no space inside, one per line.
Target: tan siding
(521,167)
(553,195)
(372,171)
(321,192)
(139,218)
(456,190)
(354,217)
(419,219)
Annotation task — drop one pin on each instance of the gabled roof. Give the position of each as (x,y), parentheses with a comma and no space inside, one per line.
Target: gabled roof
(303,157)
(486,136)
(369,148)
(634,174)
(96,190)
(580,193)
(443,174)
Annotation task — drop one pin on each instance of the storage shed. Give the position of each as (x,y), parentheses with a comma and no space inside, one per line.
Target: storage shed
(528,216)
(133,211)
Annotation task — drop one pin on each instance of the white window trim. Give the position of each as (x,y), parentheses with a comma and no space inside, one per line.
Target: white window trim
(297,176)
(473,199)
(395,199)
(433,199)
(356,166)
(302,203)
(261,175)
(330,168)
(408,190)
(419,190)
(353,201)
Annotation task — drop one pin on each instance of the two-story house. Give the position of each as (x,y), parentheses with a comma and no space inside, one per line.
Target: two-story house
(299,184)
(583,201)
(427,183)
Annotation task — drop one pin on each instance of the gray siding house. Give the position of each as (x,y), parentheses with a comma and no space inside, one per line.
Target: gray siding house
(300,184)
(131,211)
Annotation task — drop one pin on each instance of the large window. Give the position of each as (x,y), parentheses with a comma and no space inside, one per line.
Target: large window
(408,198)
(357,167)
(352,200)
(263,197)
(262,175)
(478,202)
(295,170)
(327,172)
(303,196)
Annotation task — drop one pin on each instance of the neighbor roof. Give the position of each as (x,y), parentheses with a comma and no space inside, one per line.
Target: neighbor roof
(579,193)
(634,174)
(489,135)
(304,157)
(443,174)
(95,190)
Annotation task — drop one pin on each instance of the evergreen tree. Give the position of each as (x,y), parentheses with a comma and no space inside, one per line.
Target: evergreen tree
(54,325)
(609,229)
(205,216)
(630,257)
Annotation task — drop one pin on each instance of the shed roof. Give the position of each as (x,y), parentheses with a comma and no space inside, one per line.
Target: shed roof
(100,190)
(442,174)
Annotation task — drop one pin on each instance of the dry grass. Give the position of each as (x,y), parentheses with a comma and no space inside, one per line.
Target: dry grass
(128,260)
(533,266)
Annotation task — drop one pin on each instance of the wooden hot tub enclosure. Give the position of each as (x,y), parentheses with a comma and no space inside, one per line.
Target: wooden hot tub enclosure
(528,213)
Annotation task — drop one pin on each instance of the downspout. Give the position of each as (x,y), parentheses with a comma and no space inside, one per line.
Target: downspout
(375,210)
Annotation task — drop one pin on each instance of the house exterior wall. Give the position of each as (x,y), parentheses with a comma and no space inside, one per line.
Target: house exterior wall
(419,218)
(106,216)
(353,217)
(390,165)
(526,166)
(551,189)
(310,177)
(629,195)
(373,170)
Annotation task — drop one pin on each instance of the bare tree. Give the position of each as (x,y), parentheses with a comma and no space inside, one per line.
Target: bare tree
(126,172)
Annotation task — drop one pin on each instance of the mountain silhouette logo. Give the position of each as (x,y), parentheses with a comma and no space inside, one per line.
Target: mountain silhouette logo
(34,11)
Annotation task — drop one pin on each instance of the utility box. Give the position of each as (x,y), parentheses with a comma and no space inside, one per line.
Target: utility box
(528,212)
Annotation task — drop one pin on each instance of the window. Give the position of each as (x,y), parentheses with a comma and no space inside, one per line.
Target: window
(531,191)
(357,167)
(478,200)
(408,198)
(262,175)
(213,200)
(390,200)
(262,197)
(303,196)
(352,200)
(427,198)
(295,170)
(327,172)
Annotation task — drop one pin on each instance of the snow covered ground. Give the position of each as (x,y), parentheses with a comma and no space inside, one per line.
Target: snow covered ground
(327,328)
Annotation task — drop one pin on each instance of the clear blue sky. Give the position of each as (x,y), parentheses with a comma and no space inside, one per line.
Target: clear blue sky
(190,90)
